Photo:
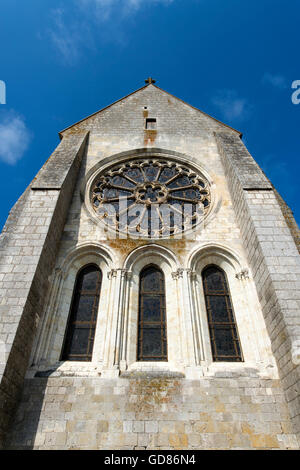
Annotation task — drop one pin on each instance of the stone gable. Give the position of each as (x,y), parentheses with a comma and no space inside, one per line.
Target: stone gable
(115,401)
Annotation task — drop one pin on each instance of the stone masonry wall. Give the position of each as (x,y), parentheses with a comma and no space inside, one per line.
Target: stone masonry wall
(275,263)
(289,218)
(245,409)
(152,413)
(28,249)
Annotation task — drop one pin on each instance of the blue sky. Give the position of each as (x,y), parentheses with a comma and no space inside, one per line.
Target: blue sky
(234,59)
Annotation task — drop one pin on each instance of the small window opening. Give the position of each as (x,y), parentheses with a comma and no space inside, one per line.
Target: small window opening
(151,123)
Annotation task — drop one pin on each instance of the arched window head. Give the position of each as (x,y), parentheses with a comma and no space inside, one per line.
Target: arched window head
(79,339)
(224,339)
(152,341)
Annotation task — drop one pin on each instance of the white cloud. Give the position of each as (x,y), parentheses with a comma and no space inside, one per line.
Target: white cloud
(71,30)
(14,138)
(67,39)
(232,106)
(105,7)
(277,81)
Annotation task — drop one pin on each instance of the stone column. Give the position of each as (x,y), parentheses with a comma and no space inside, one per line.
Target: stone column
(195,317)
(124,334)
(182,336)
(108,359)
(190,327)
(40,351)
(120,330)
(114,354)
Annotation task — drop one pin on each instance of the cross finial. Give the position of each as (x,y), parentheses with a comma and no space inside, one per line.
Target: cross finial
(150,80)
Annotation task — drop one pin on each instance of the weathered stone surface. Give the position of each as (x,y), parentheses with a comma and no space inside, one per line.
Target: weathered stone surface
(115,402)
(206,420)
(28,249)
(275,263)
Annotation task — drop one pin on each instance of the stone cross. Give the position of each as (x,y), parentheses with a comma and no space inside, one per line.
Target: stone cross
(150,80)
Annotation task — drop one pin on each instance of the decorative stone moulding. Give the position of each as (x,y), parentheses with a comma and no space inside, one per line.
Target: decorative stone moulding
(242,275)
(150,197)
(296,352)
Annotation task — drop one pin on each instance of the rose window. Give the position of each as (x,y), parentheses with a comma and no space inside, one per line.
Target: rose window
(150,198)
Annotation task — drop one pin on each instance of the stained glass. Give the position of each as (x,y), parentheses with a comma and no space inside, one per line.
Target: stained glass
(84,307)
(151,280)
(219,310)
(151,308)
(152,344)
(135,174)
(222,327)
(79,339)
(167,174)
(150,172)
(89,280)
(224,338)
(143,184)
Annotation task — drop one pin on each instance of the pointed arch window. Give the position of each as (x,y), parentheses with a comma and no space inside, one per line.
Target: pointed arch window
(152,339)
(79,339)
(224,339)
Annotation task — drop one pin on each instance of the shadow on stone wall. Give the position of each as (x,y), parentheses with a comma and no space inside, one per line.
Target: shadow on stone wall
(26,421)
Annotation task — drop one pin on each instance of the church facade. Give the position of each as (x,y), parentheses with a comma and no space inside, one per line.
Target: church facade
(149,280)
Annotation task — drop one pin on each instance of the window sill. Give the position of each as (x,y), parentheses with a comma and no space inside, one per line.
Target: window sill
(150,369)
(240,369)
(65,369)
(152,374)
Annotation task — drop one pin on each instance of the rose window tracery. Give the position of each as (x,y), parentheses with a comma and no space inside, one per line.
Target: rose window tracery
(150,197)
